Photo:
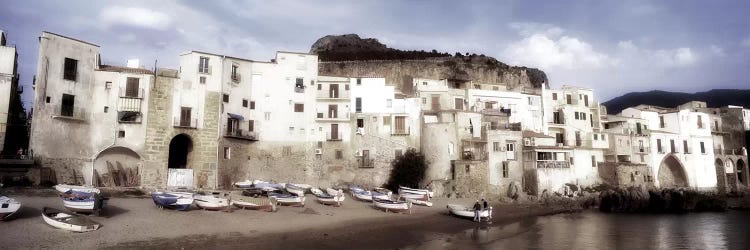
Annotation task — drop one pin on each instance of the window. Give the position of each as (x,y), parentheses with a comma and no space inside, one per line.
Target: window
(131,87)
(570,99)
(388,103)
(339,154)
(202,80)
(400,125)
(48,99)
(658,146)
(700,121)
(685,147)
(661,122)
(386,121)
(320,86)
(333,111)
(268,116)
(244,103)
(530,102)
(252,104)
(346,87)
(360,123)
(591,118)
(299,82)
(703,148)
(571,161)
(108,85)
(225,97)
(106,109)
(596,137)
(496,146)
(68,105)
(593,160)
(235,73)
(554,96)
(299,107)
(399,153)
(467,168)
(716,125)
(251,125)
(358,104)
(185,116)
(505,169)
(121,134)
(577,117)
(203,65)
(424,100)
(510,148)
(320,115)
(672,147)
(71,69)
(488,105)
(291,130)
(459,103)
(586,100)
(227,153)
(359,81)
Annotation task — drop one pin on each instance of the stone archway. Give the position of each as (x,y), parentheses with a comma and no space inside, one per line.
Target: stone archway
(672,173)
(117,166)
(741,172)
(180,148)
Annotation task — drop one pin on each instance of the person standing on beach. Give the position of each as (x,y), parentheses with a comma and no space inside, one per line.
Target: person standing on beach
(477,208)
(484,204)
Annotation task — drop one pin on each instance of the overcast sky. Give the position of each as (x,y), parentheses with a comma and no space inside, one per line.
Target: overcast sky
(614,47)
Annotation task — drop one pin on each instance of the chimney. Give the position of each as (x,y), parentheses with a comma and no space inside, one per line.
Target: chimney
(134,63)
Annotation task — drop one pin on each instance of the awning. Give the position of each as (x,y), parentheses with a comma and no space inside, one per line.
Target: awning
(236,116)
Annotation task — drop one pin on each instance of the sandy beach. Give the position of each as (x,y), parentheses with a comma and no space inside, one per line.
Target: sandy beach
(130,222)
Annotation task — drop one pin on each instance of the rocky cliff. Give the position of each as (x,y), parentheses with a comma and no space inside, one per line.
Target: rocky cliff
(714,98)
(351,56)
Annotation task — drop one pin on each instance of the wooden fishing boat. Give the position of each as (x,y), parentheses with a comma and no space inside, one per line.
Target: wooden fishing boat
(332,191)
(244,184)
(288,199)
(381,194)
(268,186)
(297,189)
(362,195)
(328,198)
(422,202)
(62,188)
(263,204)
(83,202)
(253,192)
(68,221)
(416,194)
(468,212)
(8,207)
(390,205)
(213,202)
(175,200)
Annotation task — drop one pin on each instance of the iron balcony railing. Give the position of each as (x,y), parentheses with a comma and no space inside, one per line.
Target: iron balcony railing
(737,151)
(299,89)
(69,112)
(552,164)
(334,136)
(327,94)
(132,93)
(185,123)
(473,155)
(240,134)
(236,77)
(402,131)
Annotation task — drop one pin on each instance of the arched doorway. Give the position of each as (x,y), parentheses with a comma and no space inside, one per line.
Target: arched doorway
(672,173)
(721,176)
(117,166)
(741,172)
(179,151)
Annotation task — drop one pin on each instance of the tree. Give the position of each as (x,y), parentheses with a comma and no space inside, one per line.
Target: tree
(407,170)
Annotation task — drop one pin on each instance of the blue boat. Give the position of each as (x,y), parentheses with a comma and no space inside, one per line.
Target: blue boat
(175,200)
(82,202)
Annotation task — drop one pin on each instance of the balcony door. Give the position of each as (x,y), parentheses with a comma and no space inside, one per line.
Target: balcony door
(333,91)
(131,87)
(185,113)
(333,111)
(334,131)
(435,102)
(68,104)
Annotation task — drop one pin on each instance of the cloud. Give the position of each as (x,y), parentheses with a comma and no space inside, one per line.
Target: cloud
(630,54)
(716,50)
(541,48)
(135,17)
(745,42)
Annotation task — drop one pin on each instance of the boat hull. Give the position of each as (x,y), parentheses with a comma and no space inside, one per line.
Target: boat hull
(466,212)
(290,200)
(210,202)
(62,220)
(81,202)
(9,207)
(393,206)
(173,200)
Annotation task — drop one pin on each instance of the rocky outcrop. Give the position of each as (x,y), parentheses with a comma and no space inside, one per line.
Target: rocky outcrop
(639,200)
(351,56)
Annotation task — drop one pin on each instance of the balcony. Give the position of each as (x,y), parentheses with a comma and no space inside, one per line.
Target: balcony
(325,94)
(366,163)
(236,77)
(737,151)
(334,136)
(332,117)
(69,113)
(552,164)
(205,70)
(640,150)
(135,94)
(185,123)
(299,89)
(473,155)
(241,134)
(505,126)
(401,131)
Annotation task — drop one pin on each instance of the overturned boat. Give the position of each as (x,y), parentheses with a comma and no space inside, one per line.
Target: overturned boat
(213,202)
(83,202)
(8,207)
(297,189)
(328,198)
(68,221)
(468,212)
(288,199)
(262,203)
(174,200)
(391,205)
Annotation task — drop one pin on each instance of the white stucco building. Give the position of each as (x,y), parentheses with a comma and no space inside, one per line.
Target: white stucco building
(8,84)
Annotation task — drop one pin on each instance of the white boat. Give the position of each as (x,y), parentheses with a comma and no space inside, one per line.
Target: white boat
(381,194)
(420,202)
(332,191)
(297,189)
(244,184)
(175,200)
(415,193)
(265,204)
(328,198)
(468,212)
(362,195)
(62,188)
(212,202)
(8,206)
(68,221)
(390,205)
(288,199)
(82,202)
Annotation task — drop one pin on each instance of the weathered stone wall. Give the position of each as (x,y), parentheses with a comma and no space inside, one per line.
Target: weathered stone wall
(160,131)
(401,72)
(625,174)
(436,138)
(471,179)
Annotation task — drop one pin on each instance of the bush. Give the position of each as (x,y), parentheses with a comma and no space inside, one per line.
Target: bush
(407,170)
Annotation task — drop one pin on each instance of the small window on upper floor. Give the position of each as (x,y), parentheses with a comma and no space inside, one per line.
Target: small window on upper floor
(108,85)
(554,96)
(70,71)
(244,103)
(320,86)
(346,87)
(225,98)
(252,104)
(121,134)
(299,82)
(388,103)
(359,81)
(299,107)
(202,80)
